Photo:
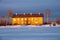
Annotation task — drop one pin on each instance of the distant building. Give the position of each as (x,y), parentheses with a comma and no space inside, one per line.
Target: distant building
(3,22)
(27,19)
(58,20)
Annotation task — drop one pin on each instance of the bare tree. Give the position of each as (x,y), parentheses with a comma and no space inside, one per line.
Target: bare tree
(2,19)
(9,12)
(47,15)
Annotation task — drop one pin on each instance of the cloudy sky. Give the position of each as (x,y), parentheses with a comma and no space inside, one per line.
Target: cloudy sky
(27,6)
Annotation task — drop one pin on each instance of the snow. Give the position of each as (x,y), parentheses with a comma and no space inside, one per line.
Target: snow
(30,32)
(16,26)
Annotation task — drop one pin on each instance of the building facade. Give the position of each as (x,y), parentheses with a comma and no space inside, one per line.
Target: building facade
(4,22)
(27,19)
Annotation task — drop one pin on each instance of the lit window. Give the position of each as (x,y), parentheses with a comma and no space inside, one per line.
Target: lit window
(18,19)
(25,18)
(21,18)
(31,18)
(14,19)
(36,22)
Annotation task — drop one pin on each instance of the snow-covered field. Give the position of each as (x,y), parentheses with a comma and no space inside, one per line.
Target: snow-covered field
(29,32)
(16,26)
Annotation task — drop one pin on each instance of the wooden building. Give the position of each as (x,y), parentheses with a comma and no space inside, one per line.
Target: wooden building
(27,19)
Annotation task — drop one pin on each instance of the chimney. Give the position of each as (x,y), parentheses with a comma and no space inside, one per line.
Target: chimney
(39,13)
(30,13)
(23,13)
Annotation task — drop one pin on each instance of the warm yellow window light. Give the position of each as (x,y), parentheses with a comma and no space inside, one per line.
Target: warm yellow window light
(14,19)
(31,18)
(21,18)
(18,18)
(36,22)
(28,20)
(25,18)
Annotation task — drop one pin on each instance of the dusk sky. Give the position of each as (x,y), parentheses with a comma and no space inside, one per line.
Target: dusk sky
(27,6)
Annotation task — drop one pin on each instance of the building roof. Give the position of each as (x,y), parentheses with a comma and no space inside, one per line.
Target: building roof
(27,15)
